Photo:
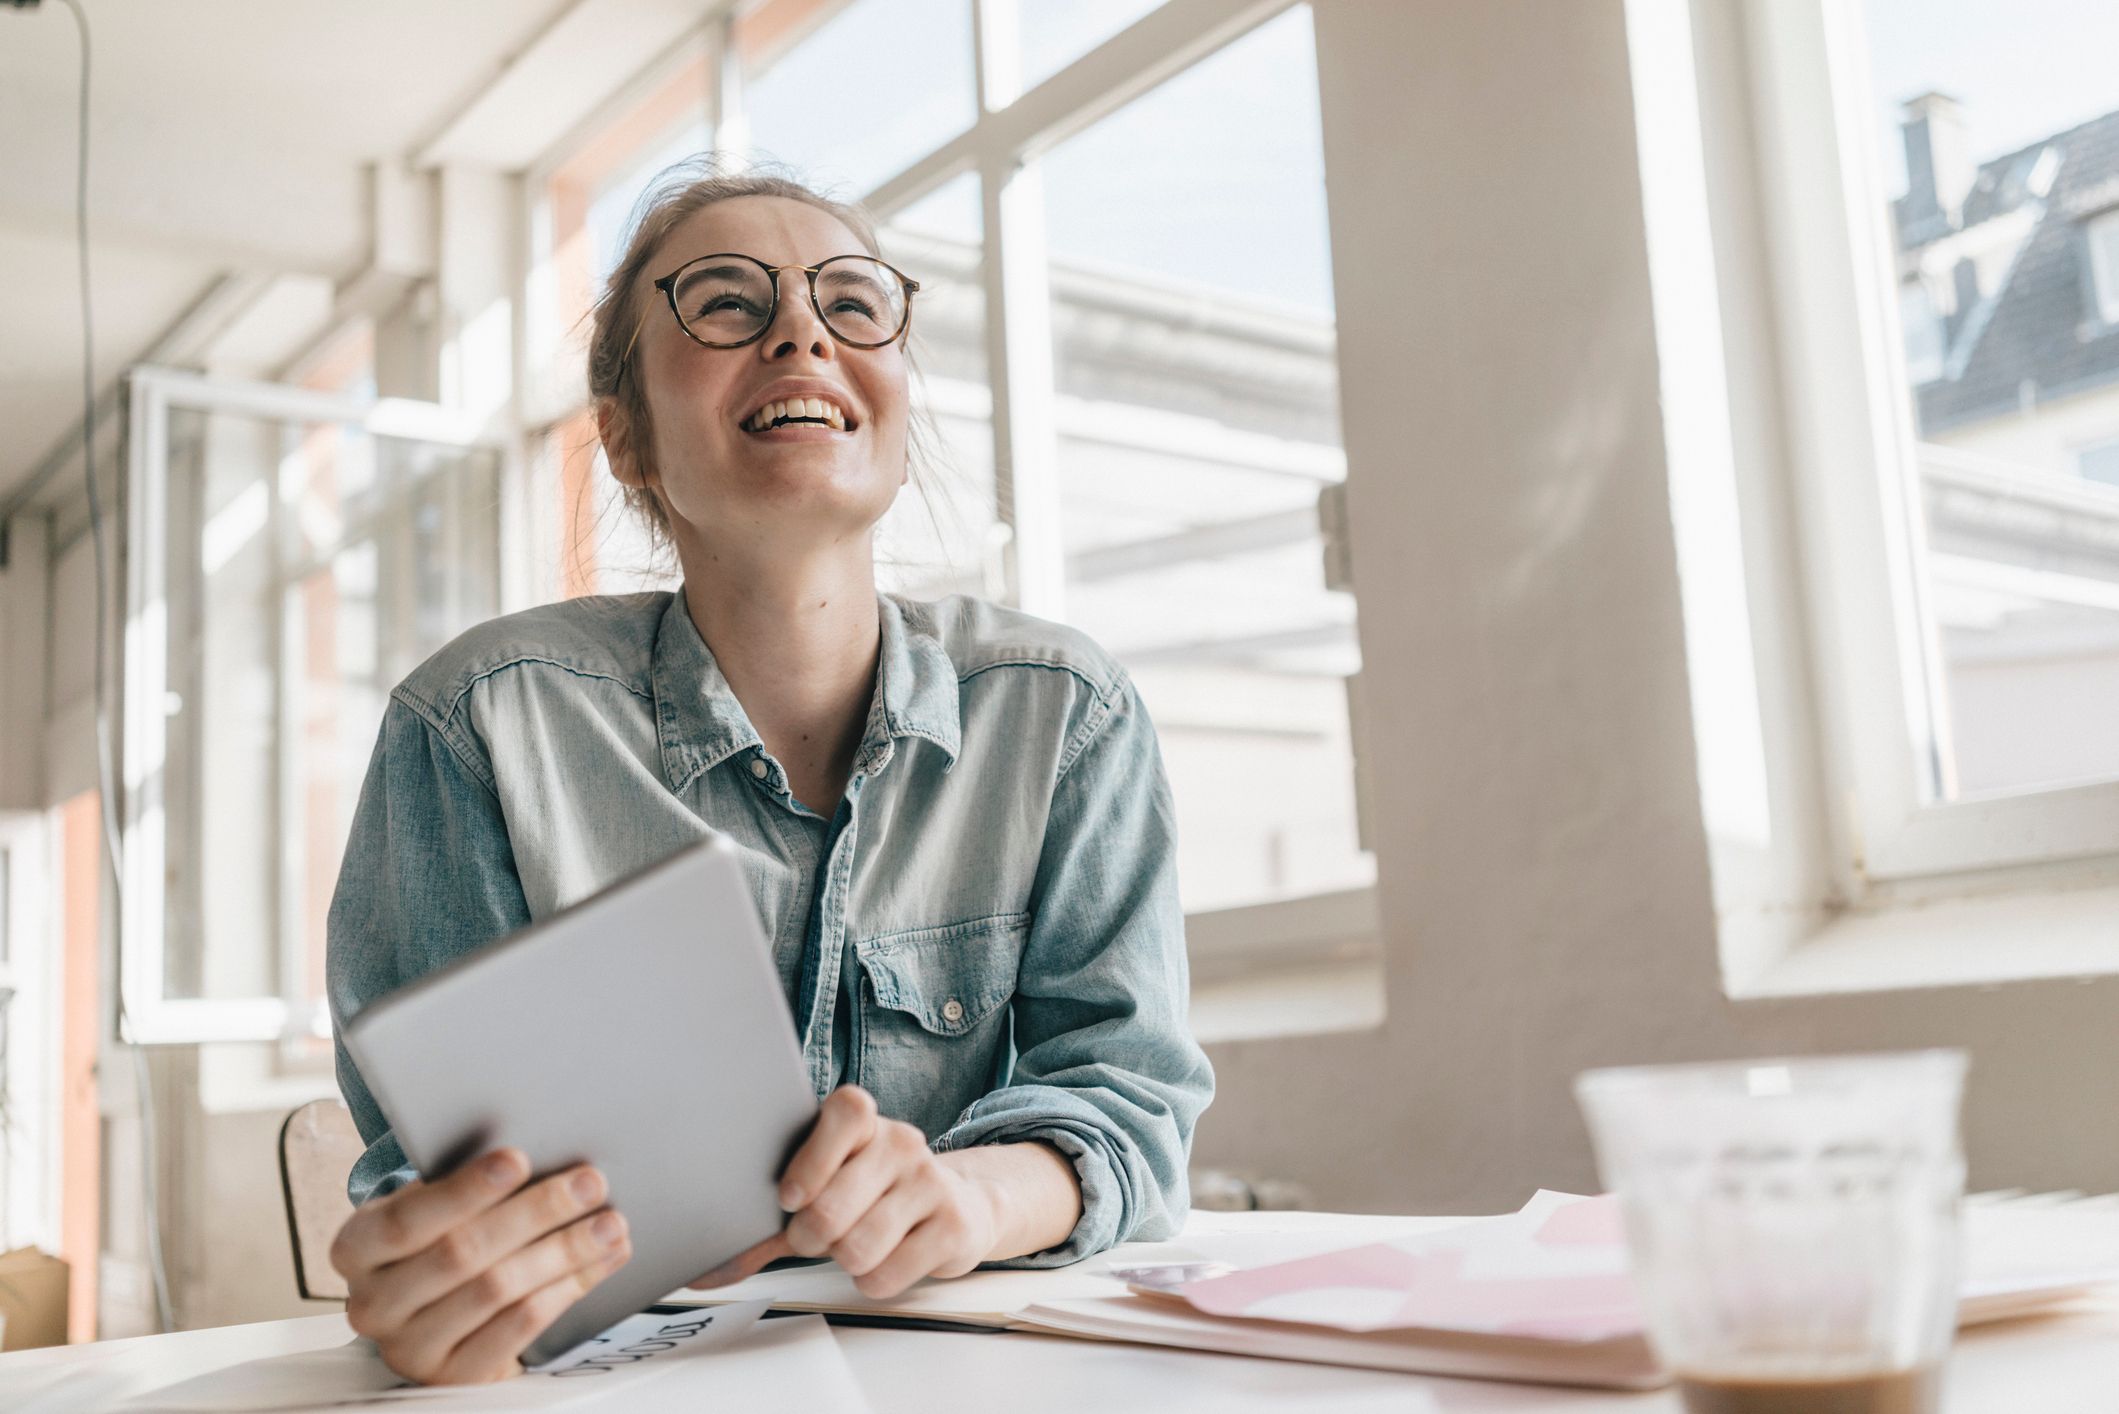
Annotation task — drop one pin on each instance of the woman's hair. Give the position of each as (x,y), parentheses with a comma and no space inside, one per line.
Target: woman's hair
(675,194)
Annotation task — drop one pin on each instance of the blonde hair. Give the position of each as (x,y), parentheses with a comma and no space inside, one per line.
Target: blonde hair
(677,192)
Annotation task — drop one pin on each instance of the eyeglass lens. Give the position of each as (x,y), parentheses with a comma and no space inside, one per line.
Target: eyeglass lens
(725,301)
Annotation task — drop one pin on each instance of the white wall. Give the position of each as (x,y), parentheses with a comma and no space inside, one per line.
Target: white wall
(1541,859)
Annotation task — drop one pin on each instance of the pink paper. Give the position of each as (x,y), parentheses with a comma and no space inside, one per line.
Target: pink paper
(1554,1271)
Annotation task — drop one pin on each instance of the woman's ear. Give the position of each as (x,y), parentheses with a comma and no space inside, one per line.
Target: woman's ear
(614,427)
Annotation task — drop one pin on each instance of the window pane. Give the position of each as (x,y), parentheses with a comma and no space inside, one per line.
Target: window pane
(1054,36)
(1197,413)
(2101,463)
(1998,127)
(2103,243)
(581,218)
(941,537)
(311,567)
(877,85)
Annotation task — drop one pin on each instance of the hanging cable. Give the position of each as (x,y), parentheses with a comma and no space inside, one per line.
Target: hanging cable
(106,771)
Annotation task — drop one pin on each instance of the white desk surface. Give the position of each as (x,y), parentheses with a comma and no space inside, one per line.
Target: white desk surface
(2054,1365)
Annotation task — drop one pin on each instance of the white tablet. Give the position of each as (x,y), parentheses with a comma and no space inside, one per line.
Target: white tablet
(642,1030)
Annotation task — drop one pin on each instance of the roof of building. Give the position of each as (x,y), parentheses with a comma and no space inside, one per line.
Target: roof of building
(2040,337)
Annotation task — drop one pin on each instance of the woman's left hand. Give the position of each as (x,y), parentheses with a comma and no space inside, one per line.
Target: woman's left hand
(868,1193)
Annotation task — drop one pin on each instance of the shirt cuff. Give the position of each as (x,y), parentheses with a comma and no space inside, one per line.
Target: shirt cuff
(1084,1143)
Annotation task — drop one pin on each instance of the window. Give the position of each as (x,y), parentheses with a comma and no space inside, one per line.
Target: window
(944,535)
(1925,345)
(1050,37)
(1196,413)
(1956,579)
(2022,604)
(840,105)
(2103,237)
(580,208)
(300,555)
(1135,408)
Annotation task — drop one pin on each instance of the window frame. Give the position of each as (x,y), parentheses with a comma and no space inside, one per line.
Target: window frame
(1851,456)
(151,1017)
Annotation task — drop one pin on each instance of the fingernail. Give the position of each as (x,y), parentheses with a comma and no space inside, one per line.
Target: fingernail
(587,1186)
(608,1229)
(504,1169)
(791,1198)
(719,1276)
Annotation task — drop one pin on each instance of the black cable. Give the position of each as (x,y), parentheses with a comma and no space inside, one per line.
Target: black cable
(106,771)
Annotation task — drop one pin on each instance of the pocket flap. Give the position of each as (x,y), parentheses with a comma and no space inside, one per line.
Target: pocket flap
(950,978)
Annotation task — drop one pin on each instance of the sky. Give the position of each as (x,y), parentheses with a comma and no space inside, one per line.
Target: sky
(2024,69)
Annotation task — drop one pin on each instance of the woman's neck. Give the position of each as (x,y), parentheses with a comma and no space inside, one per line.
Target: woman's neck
(798,640)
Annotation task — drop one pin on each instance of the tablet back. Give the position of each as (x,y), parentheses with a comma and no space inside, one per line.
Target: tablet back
(642,1030)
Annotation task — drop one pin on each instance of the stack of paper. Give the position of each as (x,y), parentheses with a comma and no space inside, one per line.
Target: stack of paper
(1540,1295)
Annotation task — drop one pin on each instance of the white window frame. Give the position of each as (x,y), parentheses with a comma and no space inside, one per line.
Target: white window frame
(1808,178)
(1012,125)
(151,1017)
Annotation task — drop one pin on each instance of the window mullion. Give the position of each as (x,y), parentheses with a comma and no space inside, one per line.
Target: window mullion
(1018,329)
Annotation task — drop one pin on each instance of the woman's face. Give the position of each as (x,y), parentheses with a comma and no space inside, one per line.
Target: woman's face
(800,484)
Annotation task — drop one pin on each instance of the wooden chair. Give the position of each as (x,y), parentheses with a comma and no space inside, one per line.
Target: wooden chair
(318,1145)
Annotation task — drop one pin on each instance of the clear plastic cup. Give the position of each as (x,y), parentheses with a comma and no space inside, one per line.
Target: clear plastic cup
(1793,1224)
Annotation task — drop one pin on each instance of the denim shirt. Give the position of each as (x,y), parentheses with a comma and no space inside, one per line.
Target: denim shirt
(986,934)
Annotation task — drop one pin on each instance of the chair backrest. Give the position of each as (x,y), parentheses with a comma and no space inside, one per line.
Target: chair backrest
(318,1145)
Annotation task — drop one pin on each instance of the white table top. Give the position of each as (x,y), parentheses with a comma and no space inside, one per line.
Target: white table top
(2054,1365)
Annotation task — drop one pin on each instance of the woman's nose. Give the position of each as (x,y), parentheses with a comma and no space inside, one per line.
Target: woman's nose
(795,323)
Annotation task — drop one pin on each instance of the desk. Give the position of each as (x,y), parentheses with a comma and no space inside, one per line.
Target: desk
(2055,1365)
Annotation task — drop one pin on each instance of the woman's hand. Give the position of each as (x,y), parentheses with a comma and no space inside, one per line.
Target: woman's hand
(868,1193)
(453,1279)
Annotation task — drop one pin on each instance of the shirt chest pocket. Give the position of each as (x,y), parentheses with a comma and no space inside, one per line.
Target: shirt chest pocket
(934,1016)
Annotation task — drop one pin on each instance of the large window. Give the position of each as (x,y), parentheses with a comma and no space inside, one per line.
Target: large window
(1132,378)
(1197,416)
(1897,304)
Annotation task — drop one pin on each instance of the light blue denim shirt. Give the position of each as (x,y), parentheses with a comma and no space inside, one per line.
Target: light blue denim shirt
(986,934)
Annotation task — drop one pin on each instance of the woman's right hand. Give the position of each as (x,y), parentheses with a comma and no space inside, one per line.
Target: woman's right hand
(453,1279)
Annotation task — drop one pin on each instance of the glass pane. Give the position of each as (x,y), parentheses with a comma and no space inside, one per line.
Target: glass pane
(583,215)
(1998,134)
(310,568)
(942,537)
(1055,35)
(860,97)
(1197,410)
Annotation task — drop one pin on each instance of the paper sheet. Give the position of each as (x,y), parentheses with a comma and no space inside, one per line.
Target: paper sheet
(726,1357)
(993,1297)
(1557,1270)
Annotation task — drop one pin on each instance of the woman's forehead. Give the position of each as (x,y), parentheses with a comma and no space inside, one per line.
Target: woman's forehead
(777,230)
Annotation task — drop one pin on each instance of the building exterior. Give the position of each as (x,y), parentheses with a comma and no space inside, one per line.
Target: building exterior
(2009,303)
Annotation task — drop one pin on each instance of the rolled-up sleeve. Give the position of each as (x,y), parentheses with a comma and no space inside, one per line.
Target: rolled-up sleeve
(428,876)
(1106,1069)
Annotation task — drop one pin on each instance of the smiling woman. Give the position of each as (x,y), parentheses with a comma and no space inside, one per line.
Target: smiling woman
(954,816)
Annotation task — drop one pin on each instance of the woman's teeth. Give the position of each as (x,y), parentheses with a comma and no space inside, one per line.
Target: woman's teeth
(821,410)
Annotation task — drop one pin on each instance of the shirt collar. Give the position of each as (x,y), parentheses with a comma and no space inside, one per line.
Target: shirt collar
(701,724)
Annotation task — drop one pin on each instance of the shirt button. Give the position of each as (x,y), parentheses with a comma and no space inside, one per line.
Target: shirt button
(952,1010)
(758,767)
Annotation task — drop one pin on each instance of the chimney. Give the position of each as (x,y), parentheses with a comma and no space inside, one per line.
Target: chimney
(1939,166)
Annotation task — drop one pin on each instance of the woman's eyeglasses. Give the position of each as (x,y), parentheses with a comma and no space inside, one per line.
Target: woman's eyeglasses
(726,301)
